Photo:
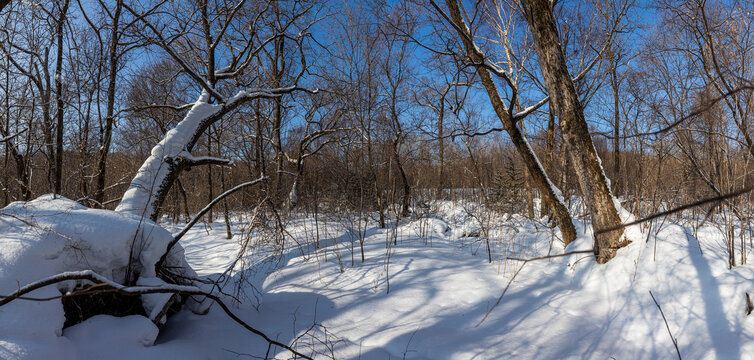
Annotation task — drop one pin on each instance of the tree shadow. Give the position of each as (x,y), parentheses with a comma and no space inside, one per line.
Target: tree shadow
(724,341)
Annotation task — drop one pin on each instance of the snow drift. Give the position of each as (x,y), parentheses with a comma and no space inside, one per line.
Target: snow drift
(48,236)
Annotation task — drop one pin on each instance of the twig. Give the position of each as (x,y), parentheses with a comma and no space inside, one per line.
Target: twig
(501,295)
(590,251)
(409,343)
(202,212)
(519,269)
(675,342)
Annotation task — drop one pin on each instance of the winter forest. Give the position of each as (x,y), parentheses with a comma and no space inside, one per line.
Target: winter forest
(376,179)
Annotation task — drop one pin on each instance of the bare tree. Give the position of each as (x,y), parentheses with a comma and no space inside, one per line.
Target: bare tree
(172,155)
(505,113)
(354,79)
(564,98)
(396,72)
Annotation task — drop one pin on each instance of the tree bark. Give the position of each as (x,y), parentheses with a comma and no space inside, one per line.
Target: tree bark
(441,140)
(546,207)
(563,97)
(278,69)
(538,174)
(59,100)
(527,184)
(45,92)
(99,194)
(616,122)
(406,199)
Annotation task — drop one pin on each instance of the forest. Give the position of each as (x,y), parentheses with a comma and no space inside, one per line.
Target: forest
(416,179)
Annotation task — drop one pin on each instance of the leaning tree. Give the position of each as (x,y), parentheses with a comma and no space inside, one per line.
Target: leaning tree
(562,97)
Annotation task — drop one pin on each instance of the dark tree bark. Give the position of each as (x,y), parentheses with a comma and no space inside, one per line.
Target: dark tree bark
(527,184)
(616,121)
(22,168)
(441,139)
(47,127)
(564,98)
(107,132)
(278,71)
(58,181)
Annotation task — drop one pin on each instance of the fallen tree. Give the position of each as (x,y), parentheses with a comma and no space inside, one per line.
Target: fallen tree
(122,262)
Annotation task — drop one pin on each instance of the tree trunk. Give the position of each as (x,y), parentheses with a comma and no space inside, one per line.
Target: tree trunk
(564,98)
(259,164)
(58,180)
(223,188)
(527,184)
(99,194)
(47,121)
(441,140)
(406,199)
(278,69)
(546,207)
(538,174)
(184,198)
(293,194)
(210,192)
(22,172)
(373,176)
(616,123)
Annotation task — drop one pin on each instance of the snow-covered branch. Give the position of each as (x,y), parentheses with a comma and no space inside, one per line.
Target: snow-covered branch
(525,112)
(12,136)
(159,106)
(185,160)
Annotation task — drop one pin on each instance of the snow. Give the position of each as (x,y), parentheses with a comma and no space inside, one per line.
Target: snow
(440,287)
(48,236)
(141,194)
(153,303)
(69,237)
(195,159)
(99,335)
(555,190)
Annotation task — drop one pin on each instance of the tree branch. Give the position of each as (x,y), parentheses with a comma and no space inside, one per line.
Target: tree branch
(678,209)
(201,213)
(100,280)
(13,136)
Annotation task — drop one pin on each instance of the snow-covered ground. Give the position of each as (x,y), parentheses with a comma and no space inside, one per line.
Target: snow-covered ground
(440,287)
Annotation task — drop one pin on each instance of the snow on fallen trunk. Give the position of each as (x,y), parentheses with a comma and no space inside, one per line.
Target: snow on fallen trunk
(150,181)
(48,236)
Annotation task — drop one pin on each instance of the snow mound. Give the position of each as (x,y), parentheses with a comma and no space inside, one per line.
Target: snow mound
(47,236)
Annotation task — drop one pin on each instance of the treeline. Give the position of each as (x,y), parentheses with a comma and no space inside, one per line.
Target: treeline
(372,104)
